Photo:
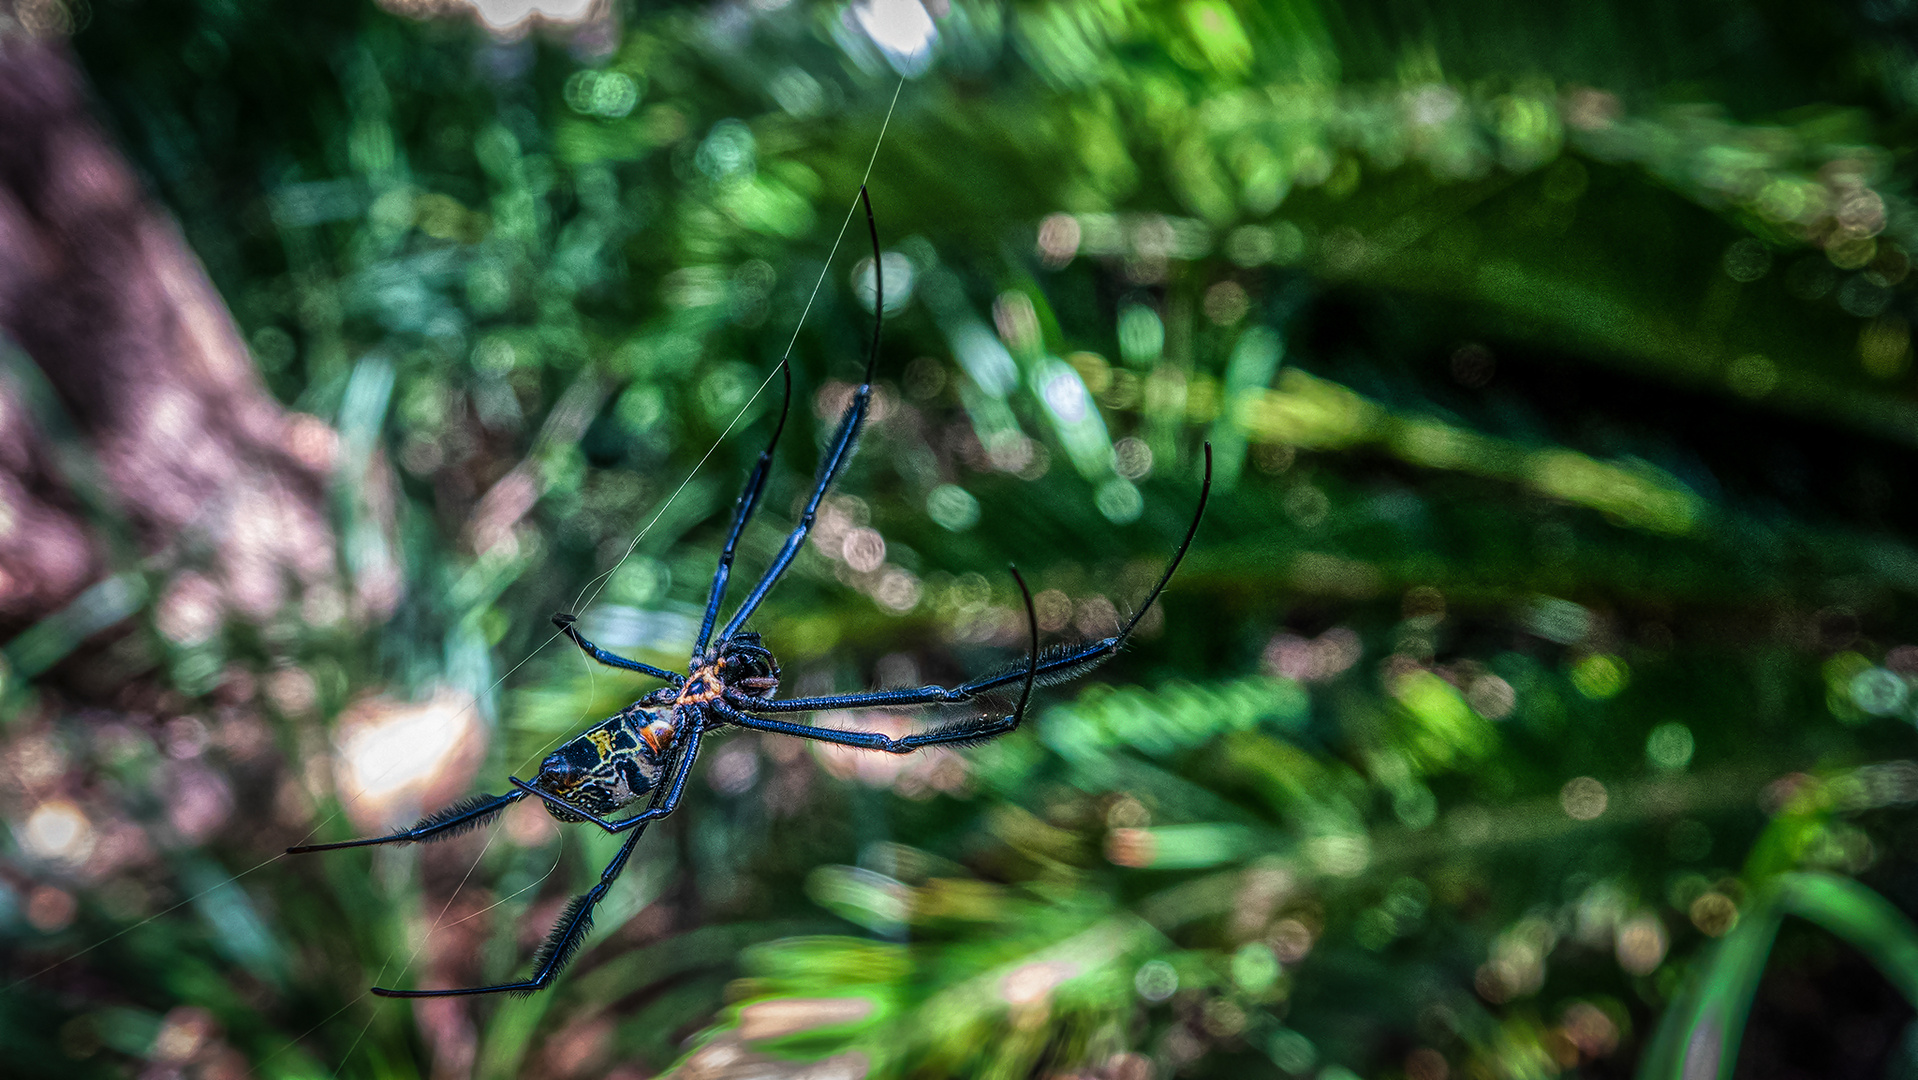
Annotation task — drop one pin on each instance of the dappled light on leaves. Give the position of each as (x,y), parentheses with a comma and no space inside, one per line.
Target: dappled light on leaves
(1549,640)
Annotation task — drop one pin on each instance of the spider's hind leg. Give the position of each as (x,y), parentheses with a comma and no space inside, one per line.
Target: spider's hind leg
(457,818)
(561,945)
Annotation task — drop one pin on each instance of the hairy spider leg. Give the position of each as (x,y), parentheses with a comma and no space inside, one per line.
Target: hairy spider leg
(1061,664)
(565,623)
(454,819)
(978,729)
(560,945)
(837,451)
(682,769)
(742,513)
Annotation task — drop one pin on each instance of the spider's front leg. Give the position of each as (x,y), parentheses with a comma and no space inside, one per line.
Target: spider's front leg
(1060,663)
(977,729)
(742,513)
(565,622)
(838,449)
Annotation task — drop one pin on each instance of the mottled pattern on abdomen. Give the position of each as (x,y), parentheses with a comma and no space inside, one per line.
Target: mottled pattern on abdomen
(627,765)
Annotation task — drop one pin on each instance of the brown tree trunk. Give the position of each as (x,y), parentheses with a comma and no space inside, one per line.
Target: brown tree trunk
(139,437)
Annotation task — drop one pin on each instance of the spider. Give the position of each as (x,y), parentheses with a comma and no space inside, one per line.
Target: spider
(650,746)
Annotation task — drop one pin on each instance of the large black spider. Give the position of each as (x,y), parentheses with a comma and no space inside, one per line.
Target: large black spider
(620,760)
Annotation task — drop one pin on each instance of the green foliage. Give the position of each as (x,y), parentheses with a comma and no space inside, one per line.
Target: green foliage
(1548,641)
(1699,1035)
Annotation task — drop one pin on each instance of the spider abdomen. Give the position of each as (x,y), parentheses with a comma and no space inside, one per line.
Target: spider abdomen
(612,764)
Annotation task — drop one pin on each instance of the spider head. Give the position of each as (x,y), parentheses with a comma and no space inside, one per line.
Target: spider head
(748,666)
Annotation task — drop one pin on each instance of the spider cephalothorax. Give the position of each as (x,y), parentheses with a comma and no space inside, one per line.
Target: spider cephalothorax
(747,667)
(650,746)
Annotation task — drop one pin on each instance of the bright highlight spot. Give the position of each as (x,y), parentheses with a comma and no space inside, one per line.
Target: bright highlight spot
(58,830)
(1714,914)
(902,29)
(1120,501)
(392,753)
(506,14)
(899,281)
(1599,676)
(1879,692)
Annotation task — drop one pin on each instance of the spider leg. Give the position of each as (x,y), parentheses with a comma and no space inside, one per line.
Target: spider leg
(1054,666)
(674,791)
(838,451)
(742,513)
(454,819)
(1058,664)
(977,729)
(565,623)
(560,945)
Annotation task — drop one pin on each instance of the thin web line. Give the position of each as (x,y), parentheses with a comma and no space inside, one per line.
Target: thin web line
(222,883)
(601,581)
(364,994)
(424,938)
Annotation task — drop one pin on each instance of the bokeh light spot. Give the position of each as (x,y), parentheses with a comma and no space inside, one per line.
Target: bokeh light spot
(1132,458)
(1747,260)
(1599,676)
(902,29)
(1226,303)
(1254,967)
(1879,691)
(1059,236)
(1291,1051)
(899,281)
(1752,375)
(1156,981)
(952,507)
(1641,944)
(863,549)
(50,910)
(1583,798)
(1119,500)
(58,831)
(1714,914)
(1669,746)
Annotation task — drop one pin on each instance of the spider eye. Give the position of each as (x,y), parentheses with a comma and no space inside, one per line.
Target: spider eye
(743,664)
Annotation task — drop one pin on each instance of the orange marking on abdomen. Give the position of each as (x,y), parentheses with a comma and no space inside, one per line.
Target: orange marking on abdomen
(659,735)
